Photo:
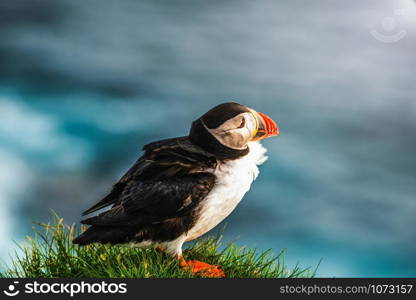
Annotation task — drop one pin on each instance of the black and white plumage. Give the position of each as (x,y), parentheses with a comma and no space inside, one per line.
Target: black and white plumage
(183,187)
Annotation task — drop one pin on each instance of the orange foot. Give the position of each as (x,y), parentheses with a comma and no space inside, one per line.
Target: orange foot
(199,267)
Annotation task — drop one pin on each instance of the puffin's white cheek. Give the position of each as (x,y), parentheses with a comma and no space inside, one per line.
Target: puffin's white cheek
(233,139)
(250,126)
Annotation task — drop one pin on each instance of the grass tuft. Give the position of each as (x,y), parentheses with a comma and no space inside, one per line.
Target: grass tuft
(49,253)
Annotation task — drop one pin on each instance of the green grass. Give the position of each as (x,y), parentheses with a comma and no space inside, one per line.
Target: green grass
(50,253)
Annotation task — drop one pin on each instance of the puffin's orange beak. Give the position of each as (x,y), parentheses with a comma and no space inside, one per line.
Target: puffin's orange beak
(266,127)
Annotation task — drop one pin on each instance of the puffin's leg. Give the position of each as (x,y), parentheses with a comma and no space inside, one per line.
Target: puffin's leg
(160,249)
(199,267)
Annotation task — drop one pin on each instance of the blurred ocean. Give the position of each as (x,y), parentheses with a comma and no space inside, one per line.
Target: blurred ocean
(85,84)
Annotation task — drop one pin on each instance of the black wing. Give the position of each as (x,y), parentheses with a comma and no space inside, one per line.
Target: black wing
(168,181)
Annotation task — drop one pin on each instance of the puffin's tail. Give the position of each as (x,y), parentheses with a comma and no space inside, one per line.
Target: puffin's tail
(101,234)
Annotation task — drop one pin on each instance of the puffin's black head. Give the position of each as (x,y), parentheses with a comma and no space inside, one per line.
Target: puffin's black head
(226,130)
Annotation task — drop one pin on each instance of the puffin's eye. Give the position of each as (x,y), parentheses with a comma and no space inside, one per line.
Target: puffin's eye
(243,123)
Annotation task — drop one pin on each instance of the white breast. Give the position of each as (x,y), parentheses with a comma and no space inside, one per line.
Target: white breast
(234,179)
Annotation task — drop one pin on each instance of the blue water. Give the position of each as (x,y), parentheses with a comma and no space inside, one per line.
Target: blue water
(84,86)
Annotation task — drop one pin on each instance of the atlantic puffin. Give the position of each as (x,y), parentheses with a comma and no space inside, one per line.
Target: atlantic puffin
(181,188)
